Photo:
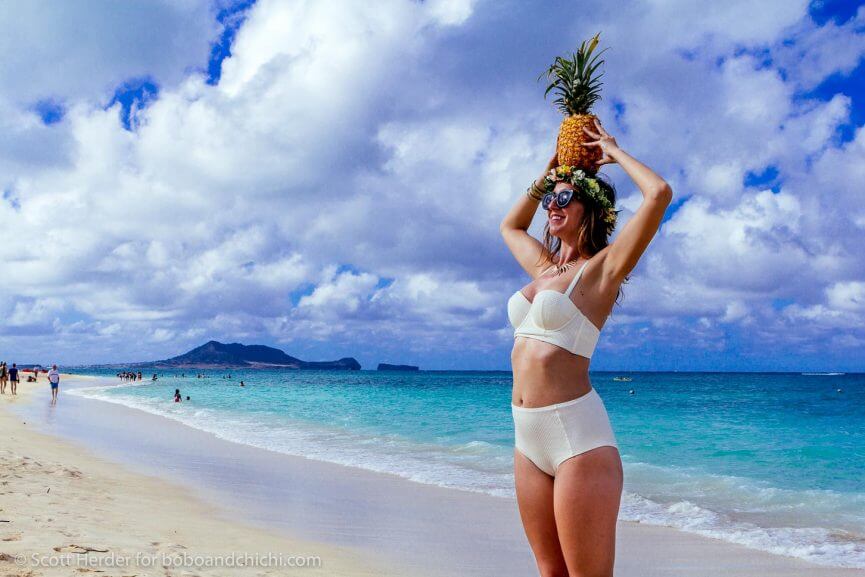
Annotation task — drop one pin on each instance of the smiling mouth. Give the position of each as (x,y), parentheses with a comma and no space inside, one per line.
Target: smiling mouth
(556,218)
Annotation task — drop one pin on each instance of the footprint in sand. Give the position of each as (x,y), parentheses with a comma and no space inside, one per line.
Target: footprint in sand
(82,549)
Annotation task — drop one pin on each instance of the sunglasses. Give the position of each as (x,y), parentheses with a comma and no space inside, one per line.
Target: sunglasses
(563,198)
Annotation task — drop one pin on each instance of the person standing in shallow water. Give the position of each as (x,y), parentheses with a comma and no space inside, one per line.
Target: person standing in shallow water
(567,468)
(54,381)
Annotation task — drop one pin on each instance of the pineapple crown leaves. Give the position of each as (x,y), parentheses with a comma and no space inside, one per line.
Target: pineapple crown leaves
(574,80)
(587,188)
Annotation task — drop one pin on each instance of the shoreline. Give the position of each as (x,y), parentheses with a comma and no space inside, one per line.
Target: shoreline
(67,511)
(339,506)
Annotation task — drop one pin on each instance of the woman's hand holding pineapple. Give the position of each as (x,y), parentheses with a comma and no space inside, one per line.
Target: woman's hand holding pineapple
(604,141)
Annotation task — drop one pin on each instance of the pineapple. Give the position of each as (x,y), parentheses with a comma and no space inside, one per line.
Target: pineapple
(578,88)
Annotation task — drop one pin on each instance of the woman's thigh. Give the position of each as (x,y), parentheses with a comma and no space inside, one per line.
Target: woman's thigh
(535,499)
(587,494)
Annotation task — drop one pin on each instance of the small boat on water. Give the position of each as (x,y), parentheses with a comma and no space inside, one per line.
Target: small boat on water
(623,379)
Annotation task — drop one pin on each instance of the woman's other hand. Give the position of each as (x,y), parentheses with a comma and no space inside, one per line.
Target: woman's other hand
(553,163)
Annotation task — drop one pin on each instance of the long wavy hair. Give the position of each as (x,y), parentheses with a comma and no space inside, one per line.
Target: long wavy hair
(592,234)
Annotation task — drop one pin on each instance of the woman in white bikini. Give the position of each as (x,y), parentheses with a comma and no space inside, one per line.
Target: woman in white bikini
(567,469)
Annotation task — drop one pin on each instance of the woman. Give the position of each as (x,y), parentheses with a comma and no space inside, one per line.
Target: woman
(567,469)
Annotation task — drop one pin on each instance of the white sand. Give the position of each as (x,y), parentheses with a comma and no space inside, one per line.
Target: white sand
(60,505)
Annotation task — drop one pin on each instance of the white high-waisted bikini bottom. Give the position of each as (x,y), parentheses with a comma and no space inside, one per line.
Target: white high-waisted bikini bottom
(550,435)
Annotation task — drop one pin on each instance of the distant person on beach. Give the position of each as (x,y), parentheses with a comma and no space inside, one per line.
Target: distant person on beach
(567,468)
(54,380)
(4,376)
(177,397)
(13,379)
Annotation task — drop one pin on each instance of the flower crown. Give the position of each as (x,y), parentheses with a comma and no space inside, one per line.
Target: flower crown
(586,187)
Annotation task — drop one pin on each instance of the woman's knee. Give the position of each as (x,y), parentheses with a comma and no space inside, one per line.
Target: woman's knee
(552,569)
(592,572)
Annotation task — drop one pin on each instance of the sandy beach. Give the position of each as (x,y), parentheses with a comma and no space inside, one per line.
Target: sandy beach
(65,511)
(110,483)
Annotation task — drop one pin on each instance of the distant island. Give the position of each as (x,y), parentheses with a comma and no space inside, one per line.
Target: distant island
(387,367)
(213,354)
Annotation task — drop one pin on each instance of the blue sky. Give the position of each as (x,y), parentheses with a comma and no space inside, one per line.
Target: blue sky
(328,177)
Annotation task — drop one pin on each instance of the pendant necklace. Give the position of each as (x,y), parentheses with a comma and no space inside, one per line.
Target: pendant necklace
(562,268)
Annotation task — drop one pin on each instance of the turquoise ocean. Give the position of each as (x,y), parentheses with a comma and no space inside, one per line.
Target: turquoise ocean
(773,461)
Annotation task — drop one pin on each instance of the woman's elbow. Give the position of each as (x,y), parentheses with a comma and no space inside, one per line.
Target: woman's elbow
(662,193)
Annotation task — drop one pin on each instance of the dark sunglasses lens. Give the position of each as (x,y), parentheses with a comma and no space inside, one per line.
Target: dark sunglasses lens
(564,198)
(547,200)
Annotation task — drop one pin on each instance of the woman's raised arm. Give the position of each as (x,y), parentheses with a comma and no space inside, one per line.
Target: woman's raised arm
(625,251)
(528,250)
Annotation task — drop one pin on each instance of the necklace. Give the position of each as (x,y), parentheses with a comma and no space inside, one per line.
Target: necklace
(562,268)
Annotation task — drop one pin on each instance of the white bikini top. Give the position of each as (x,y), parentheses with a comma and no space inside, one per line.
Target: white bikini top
(554,318)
